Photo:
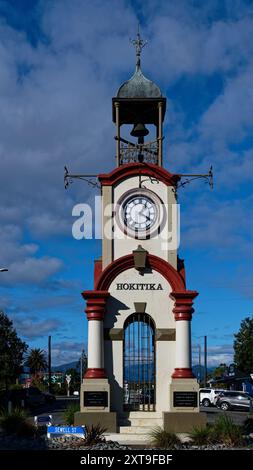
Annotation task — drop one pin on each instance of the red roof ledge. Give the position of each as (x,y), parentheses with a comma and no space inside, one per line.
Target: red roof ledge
(134,169)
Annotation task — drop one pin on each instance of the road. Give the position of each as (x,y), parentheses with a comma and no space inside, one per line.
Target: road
(213,413)
(56,409)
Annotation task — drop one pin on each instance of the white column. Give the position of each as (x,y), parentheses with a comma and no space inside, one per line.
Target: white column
(95,344)
(183,314)
(183,344)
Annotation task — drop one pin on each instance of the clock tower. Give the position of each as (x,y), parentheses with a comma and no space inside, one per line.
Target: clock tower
(140,310)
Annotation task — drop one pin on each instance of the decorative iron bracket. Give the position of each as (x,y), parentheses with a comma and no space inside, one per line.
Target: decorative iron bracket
(90,179)
(190,177)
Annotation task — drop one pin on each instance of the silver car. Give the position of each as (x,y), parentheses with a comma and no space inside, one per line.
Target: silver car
(234,400)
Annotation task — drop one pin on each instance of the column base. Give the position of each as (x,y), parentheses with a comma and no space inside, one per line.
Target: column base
(95,373)
(183,373)
(184,395)
(182,421)
(95,395)
(106,420)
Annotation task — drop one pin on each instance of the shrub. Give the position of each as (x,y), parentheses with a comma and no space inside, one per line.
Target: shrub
(69,413)
(26,429)
(226,431)
(248,426)
(200,435)
(94,434)
(164,439)
(38,382)
(16,387)
(10,421)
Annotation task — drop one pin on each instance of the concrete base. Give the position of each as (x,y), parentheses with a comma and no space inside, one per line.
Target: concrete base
(184,385)
(106,420)
(94,385)
(180,422)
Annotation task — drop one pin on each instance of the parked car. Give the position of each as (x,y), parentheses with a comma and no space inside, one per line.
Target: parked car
(49,397)
(234,400)
(27,397)
(207,396)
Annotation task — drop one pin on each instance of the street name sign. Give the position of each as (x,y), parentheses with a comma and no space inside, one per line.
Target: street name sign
(53,431)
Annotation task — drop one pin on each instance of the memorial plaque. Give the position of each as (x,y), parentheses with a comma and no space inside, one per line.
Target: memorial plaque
(185,399)
(95,398)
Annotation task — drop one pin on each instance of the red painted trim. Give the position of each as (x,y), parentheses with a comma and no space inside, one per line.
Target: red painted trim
(126,262)
(95,374)
(97,269)
(132,169)
(96,301)
(183,309)
(183,373)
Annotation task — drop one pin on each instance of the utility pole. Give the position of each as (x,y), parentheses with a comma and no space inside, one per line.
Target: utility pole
(199,346)
(49,365)
(205,360)
(81,367)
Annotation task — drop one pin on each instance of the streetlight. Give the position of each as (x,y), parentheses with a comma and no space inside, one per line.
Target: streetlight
(205,359)
(81,367)
(199,348)
(3,269)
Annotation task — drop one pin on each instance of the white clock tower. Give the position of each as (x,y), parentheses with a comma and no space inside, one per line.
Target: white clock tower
(139,313)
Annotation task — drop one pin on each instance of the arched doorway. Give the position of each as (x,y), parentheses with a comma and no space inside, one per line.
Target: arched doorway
(139,363)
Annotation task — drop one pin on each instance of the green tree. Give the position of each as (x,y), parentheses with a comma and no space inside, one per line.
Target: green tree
(220,371)
(12,350)
(243,346)
(36,360)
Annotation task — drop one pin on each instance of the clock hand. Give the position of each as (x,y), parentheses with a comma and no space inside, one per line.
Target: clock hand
(142,212)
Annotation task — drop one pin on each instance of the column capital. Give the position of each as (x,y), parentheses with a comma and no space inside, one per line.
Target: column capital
(183,309)
(96,302)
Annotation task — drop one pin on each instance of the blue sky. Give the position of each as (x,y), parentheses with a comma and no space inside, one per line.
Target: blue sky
(61,63)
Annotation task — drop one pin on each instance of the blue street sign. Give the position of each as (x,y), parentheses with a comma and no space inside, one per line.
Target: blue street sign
(74,430)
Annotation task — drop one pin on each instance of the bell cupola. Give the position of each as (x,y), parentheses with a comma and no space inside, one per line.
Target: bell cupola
(139,102)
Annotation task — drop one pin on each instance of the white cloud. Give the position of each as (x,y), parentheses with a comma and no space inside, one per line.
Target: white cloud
(31,329)
(216,355)
(20,259)
(66,351)
(33,270)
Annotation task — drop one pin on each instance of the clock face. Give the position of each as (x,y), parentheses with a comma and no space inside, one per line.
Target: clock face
(139,213)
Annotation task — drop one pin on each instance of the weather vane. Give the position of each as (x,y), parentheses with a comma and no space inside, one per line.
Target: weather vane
(138,43)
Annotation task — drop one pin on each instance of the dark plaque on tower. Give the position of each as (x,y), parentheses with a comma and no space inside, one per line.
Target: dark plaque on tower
(95,399)
(185,399)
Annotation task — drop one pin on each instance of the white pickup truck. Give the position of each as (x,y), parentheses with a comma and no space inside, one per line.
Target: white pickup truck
(207,396)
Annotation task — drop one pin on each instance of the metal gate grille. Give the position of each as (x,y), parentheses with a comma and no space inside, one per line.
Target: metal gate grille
(139,363)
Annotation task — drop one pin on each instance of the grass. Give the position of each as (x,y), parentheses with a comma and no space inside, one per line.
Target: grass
(248,426)
(11,421)
(227,432)
(164,439)
(94,434)
(200,435)
(70,412)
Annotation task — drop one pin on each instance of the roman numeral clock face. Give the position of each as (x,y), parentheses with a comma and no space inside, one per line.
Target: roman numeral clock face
(140,213)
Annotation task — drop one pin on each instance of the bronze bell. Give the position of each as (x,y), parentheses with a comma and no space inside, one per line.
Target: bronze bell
(139,130)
